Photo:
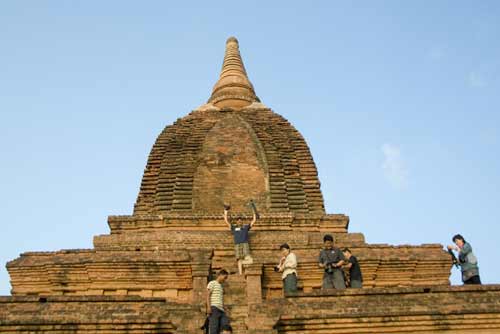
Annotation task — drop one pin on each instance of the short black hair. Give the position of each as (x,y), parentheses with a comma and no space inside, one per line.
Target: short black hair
(346,250)
(285,246)
(222,272)
(459,237)
(327,237)
(227,328)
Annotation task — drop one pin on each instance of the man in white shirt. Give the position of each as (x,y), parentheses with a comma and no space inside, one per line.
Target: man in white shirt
(288,266)
(215,303)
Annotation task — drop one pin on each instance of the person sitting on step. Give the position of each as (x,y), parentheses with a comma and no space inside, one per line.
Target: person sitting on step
(240,235)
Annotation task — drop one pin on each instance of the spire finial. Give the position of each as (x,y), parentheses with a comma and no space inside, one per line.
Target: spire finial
(233,89)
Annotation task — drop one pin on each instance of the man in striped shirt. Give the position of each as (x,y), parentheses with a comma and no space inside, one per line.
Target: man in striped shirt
(215,303)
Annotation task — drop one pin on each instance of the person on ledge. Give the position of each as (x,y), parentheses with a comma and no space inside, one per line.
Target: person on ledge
(466,260)
(240,235)
(331,259)
(288,266)
(217,318)
(355,276)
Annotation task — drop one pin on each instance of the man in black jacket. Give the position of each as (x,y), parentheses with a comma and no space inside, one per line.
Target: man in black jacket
(355,276)
(331,259)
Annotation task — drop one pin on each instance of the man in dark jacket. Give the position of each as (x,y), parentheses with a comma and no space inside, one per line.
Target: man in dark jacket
(331,259)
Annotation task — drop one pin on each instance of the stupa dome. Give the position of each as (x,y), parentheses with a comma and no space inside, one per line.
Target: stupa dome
(230,150)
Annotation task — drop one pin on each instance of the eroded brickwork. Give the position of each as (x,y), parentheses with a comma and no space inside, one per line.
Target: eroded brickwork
(97,315)
(443,309)
(149,275)
(210,156)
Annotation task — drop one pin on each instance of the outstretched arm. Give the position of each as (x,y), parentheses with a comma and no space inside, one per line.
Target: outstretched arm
(226,219)
(253,220)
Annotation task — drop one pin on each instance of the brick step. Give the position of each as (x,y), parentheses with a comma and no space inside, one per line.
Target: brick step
(238,314)
(237,311)
(239,328)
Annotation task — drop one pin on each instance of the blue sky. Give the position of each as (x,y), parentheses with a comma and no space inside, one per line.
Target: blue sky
(398,102)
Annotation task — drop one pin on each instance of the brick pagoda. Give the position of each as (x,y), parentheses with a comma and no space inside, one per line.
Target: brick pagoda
(149,275)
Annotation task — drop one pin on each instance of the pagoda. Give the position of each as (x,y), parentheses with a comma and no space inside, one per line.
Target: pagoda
(149,274)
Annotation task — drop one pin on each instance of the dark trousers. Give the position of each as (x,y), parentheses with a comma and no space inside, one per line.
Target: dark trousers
(356,284)
(473,280)
(217,320)
(290,283)
(335,280)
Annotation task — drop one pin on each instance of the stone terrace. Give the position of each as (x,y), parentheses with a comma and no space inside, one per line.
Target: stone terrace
(149,275)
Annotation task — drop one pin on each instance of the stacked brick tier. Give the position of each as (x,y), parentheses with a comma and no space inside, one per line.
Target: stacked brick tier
(382,265)
(289,176)
(437,309)
(169,274)
(97,315)
(337,223)
(167,262)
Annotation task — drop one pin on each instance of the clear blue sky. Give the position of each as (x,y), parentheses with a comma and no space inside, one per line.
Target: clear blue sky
(398,101)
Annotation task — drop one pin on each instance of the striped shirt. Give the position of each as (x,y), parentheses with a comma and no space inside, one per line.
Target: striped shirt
(216,294)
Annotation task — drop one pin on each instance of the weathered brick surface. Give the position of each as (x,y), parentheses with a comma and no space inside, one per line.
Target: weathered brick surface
(231,168)
(99,315)
(231,150)
(434,309)
(167,274)
(330,223)
(210,157)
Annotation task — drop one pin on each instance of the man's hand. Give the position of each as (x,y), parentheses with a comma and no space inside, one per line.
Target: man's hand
(450,247)
(209,311)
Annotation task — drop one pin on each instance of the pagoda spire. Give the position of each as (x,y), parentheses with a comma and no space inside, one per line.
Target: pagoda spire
(233,89)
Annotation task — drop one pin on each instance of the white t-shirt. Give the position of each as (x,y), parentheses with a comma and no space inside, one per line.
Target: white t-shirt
(290,265)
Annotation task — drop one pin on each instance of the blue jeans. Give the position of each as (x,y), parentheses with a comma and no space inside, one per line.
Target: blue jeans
(217,320)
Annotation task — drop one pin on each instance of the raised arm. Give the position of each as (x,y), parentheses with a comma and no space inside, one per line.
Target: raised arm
(254,219)
(226,219)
